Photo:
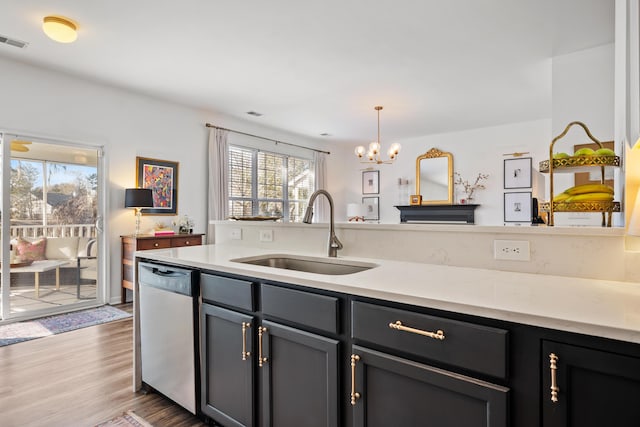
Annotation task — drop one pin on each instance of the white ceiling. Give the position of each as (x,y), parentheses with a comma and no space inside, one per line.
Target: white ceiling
(314,67)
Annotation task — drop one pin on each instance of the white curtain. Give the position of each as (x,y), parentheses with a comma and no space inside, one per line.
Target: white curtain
(218,173)
(321,206)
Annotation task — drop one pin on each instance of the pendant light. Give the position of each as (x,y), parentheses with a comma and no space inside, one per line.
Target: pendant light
(373,155)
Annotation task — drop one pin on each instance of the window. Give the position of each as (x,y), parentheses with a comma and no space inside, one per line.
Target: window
(54,195)
(268,184)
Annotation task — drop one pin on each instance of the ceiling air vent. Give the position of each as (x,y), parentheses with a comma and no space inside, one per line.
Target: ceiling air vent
(13,42)
(254,113)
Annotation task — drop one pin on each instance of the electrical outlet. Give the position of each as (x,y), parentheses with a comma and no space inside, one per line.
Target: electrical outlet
(266,235)
(512,250)
(236,234)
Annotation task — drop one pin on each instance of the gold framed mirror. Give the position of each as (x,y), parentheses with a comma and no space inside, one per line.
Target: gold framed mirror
(434,177)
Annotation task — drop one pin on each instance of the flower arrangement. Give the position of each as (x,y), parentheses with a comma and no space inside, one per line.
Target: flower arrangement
(468,188)
(184,224)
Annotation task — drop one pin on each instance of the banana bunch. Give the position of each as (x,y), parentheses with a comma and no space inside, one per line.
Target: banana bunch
(586,193)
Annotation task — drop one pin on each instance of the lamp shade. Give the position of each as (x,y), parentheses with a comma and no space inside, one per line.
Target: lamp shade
(355,209)
(634,221)
(138,198)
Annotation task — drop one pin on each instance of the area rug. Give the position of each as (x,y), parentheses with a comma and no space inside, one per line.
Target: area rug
(38,328)
(128,419)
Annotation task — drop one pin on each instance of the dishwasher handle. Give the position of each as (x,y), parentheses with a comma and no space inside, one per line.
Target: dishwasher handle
(176,280)
(168,273)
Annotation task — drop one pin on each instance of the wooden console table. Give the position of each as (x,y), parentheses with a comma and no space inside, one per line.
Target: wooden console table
(438,213)
(143,242)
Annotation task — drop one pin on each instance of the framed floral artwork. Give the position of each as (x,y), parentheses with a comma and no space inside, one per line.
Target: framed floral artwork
(161,176)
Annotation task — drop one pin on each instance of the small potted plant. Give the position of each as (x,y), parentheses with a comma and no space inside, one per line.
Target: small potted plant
(469,188)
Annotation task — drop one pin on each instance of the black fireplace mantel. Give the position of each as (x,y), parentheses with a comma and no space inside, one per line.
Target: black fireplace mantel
(438,213)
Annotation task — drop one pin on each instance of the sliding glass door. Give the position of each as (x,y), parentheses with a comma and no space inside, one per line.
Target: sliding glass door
(51,226)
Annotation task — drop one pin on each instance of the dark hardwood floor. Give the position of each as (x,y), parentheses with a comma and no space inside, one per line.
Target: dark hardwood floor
(79,378)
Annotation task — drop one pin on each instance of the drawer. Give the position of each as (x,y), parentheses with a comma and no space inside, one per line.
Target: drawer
(300,307)
(469,346)
(145,244)
(186,241)
(223,290)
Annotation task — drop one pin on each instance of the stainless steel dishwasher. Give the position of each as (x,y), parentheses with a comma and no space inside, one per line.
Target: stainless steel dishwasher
(167,331)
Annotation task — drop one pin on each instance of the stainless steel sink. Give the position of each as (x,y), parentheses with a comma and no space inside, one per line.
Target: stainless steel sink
(329,266)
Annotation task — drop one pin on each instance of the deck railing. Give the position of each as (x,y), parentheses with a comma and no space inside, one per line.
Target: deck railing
(67,230)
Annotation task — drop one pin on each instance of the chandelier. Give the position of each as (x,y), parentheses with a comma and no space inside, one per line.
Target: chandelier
(373,155)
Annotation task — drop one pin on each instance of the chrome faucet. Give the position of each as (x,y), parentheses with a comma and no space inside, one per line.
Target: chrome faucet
(334,243)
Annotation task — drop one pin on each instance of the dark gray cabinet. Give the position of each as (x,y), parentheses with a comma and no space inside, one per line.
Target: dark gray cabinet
(278,355)
(398,383)
(257,372)
(593,388)
(227,366)
(299,378)
(392,391)
(463,345)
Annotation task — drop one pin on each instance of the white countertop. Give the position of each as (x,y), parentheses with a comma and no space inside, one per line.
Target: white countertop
(595,307)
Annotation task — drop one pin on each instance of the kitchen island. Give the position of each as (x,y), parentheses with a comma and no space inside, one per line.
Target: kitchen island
(523,319)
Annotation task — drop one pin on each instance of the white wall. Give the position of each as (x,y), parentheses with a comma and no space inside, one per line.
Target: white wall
(474,151)
(46,103)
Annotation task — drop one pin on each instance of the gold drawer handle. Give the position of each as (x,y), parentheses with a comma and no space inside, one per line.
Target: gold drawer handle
(261,360)
(155,245)
(354,394)
(553,359)
(245,353)
(438,335)
(186,243)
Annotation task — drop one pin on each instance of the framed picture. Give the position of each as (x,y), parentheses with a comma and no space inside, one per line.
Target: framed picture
(371,208)
(161,176)
(517,173)
(517,207)
(371,182)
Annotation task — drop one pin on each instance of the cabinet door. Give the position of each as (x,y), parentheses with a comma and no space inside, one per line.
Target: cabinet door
(299,378)
(227,372)
(596,388)
(398,392)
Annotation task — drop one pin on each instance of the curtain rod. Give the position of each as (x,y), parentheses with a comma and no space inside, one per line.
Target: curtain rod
(209,125)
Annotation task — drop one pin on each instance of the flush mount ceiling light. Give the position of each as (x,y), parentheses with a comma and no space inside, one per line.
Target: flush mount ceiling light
(60,29)
(373,155)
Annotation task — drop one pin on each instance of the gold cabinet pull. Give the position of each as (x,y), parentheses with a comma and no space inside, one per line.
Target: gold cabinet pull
(245,353)
(438,335)
(553,359)
(261,360)
(354,394)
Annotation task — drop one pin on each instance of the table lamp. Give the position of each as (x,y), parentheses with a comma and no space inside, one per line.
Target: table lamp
(138,198)
(355,212)
(633,228)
